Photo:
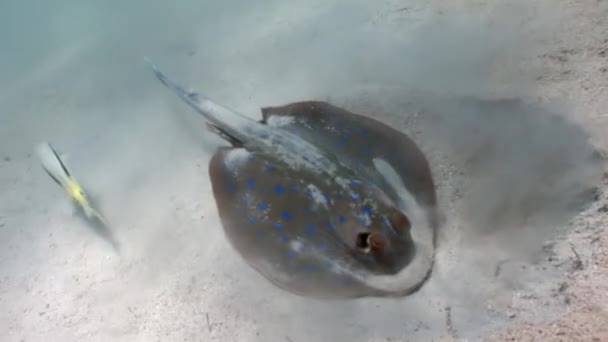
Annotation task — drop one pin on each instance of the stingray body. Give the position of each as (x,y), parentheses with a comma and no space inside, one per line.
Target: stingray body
(320,201)
(365,145)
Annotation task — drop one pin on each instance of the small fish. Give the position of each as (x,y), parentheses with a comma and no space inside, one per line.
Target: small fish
(308,216)
(56,168)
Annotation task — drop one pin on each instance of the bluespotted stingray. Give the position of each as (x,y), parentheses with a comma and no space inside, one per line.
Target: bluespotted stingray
(321,202)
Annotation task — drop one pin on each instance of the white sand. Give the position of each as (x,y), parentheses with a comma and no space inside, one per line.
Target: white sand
(72,72)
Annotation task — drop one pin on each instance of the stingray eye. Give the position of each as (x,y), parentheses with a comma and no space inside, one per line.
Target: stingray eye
(368,242)
(398,220)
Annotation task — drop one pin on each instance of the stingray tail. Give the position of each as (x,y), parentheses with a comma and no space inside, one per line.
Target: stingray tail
(234,141)
(227,123)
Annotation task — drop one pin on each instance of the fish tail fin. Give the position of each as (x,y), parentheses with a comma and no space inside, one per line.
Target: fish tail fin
(52,163)
(89,210)
(96,214)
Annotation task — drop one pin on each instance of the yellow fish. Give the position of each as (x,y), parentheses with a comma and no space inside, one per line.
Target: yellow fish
(56,168)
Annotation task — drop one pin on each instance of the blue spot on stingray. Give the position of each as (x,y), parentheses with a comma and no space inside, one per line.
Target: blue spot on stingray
(260,233)
(353,195)
(277,225)
(249,182)
(268,168)
(286,215)
(309,266)
(362,220)
(388,224)
(278,188)
(245,198)
(386,221)
(355,182)
(329,225)
(345,136)
(291,253)
(341,219)
(322,245)
(325,196)
(366,209)
(231,187)
(308,192)
(250,219)
(309,228)
(283,238)
(367,148)
(262,206)
(308,209)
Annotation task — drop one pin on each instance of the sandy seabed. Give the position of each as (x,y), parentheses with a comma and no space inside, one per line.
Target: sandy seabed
(508,99)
